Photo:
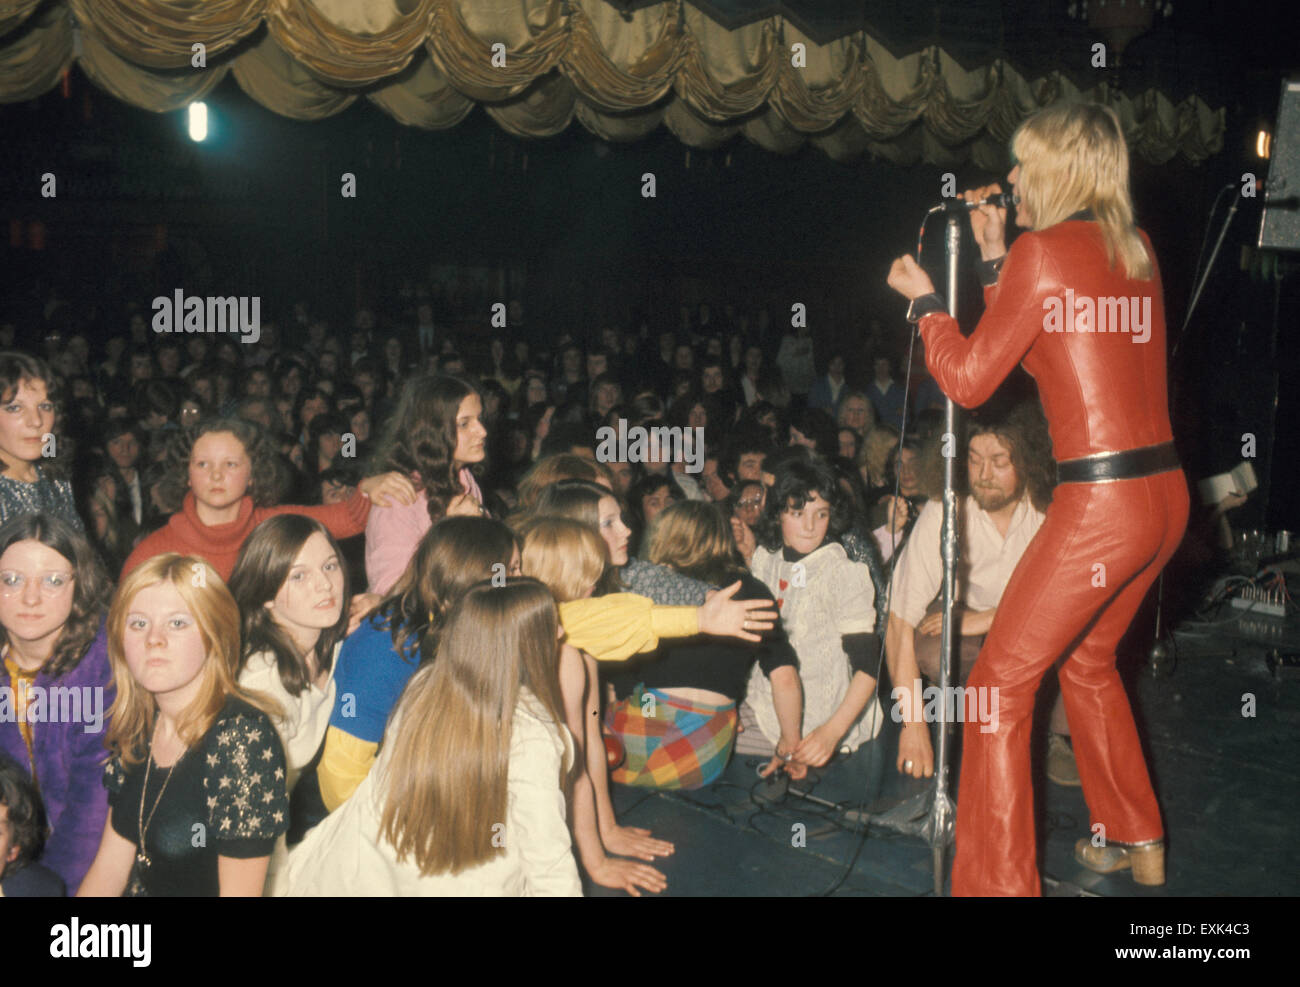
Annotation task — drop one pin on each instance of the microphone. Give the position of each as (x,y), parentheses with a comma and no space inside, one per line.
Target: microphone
(1003,200)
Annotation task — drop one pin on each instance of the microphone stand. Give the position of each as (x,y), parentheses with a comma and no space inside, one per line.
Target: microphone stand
(942,812)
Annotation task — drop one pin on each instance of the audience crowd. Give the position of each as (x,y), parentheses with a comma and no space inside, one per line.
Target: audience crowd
(375,611)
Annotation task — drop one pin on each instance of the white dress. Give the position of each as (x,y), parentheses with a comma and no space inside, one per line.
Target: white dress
(346,856)
(821,597)
(301,723)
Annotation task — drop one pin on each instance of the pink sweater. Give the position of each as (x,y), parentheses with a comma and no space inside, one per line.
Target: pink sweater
(393,534)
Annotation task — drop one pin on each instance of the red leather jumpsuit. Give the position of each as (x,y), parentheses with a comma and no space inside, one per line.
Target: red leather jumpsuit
(1082,578)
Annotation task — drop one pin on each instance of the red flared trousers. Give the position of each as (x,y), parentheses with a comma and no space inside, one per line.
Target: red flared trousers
(1075,592)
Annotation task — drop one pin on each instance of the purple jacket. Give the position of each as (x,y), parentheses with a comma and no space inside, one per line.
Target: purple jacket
(69,758)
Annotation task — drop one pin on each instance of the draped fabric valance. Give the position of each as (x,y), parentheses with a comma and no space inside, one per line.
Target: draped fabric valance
(535,65)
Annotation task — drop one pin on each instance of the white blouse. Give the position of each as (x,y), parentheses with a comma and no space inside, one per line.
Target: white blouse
(345,856)
(821,598)
(305,717)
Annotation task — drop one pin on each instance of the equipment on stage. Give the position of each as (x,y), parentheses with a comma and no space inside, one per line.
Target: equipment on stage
(1279,229)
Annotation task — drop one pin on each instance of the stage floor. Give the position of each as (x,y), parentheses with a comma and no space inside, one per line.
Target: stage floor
(1228,784)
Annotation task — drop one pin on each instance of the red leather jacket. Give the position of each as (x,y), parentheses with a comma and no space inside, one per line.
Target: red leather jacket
(1102,391)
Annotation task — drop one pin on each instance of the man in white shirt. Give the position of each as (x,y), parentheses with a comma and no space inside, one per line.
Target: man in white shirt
(1009,472)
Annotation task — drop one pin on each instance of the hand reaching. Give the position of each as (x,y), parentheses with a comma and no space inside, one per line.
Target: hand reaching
(464,505)
(795,769)
(745,619)
(817,747)
(362,604)
(388,489)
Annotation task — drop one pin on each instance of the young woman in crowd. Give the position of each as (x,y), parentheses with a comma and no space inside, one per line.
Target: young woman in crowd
(28,390)
(232,474)
(54,594)
(435,436)
(192,752)
(570,558)
(292,590)
(468,795)
(679,725)
(827,606)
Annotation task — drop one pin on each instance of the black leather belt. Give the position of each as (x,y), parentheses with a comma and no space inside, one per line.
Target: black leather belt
(1119,465)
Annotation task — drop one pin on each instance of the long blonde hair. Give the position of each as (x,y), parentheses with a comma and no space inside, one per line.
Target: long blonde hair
(132,716)
(444,783)
(1072,157)
(565,555)
(873,458)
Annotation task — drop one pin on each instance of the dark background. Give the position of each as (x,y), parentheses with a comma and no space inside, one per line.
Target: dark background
(256,210)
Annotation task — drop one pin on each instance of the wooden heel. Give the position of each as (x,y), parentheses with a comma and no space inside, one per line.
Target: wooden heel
(1148,864)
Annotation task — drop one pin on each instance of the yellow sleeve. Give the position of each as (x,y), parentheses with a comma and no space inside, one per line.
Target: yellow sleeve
(615,627)
(343,766)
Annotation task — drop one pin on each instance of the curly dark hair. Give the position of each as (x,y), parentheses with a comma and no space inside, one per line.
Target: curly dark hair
(1023,430)
(267,479)
(91,587)
(26,814)
(798,478)
(421,437)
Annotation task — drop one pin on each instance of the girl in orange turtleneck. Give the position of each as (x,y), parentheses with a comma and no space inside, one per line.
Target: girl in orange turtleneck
(225,475)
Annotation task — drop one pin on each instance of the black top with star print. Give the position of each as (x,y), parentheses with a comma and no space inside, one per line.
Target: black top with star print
(226,797)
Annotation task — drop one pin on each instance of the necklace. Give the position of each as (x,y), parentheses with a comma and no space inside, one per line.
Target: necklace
(142,856)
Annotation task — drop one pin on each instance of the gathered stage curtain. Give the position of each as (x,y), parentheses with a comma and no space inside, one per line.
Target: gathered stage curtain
(428,62)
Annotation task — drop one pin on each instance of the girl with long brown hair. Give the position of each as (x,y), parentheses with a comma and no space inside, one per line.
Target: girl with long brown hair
(436,438)
(467,797)
(292,591)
